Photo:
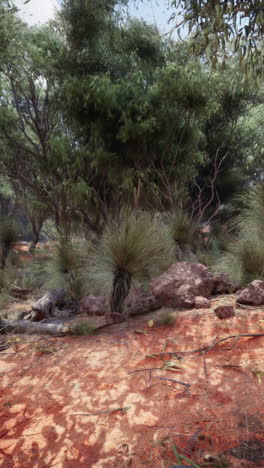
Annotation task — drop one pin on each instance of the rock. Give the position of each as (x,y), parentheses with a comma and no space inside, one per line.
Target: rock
(137,302)
(224,311)
(223,284)
(202,303)
(179,286)
(253,294)
(93,305)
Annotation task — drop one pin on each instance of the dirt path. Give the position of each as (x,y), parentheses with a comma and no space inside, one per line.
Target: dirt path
(45,383)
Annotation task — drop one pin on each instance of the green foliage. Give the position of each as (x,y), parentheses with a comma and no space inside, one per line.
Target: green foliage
(216,25)
(83,328)
(96,107)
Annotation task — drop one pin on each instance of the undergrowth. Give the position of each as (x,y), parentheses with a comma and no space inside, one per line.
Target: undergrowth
(83,328)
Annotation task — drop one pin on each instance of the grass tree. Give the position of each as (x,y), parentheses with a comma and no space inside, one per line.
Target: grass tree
(185,233)
(64,270)
(134,247)
(244,259)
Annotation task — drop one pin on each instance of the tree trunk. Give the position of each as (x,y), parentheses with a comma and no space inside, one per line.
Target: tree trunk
(120,290)
(35,241)
(45,306)
(22,326)
(5,252)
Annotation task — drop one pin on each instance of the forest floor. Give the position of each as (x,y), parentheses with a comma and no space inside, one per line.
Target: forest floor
(92,401)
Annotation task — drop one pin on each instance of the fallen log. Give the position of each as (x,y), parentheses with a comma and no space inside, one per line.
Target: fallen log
(31,328)
(45,306)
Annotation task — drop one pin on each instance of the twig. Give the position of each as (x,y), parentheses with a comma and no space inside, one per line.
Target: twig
(176,381)
(146,369)
(205,368)
(212,345)
(163,427)
(227,365)
(101,412)
(168,353)
(243,306)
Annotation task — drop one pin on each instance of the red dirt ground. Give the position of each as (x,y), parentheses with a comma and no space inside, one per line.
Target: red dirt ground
(46,383)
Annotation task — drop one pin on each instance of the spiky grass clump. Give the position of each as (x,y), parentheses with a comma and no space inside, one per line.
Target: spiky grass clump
(251,216)
(63,270)
(184,232)
(136,246)
(244,260)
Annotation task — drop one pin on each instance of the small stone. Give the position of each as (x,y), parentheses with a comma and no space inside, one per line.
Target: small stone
(202,303)
(224,311)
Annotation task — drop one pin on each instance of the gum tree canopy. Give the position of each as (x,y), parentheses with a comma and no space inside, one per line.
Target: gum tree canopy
(215,23)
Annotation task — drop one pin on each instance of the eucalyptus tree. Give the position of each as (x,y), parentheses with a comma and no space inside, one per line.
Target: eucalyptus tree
(215,25)
(37,150)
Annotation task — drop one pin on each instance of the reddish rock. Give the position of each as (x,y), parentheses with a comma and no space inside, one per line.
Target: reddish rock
(179,286)
(202,303)
(223,284)
(224,311)
(253,294)
(93,305)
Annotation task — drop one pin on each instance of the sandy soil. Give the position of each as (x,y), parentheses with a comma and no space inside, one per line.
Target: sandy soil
(50,387)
